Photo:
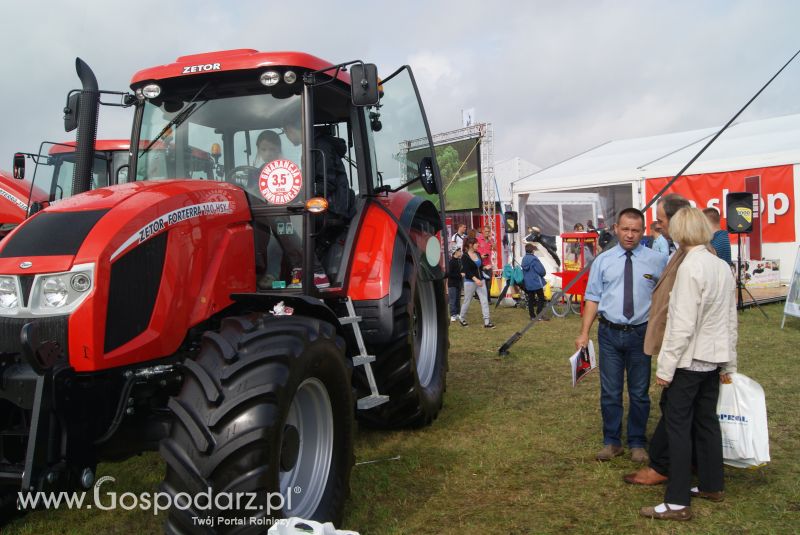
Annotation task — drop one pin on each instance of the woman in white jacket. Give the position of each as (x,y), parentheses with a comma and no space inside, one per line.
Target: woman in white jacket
(698,352)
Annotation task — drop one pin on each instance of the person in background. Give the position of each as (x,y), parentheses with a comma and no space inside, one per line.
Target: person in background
(697,353)
(660,243)
(474,283)
(458,238)
(721,241)
(621,282)
(485,247)
(533,280)
(454,280)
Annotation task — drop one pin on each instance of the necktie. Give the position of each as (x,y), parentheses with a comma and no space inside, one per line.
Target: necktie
(627,300)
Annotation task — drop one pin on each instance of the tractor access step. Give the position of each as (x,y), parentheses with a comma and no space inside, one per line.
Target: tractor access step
(375,398)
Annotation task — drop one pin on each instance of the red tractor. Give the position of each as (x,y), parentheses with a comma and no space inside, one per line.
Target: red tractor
(54,170)
(13,202)
(237,316)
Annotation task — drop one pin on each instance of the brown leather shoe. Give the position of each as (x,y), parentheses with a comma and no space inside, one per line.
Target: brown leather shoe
(669,514)
(608,452)
(717,496)
(645,476)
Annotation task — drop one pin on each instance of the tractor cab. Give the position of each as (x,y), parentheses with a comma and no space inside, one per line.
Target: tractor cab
(54,166)
(284,128)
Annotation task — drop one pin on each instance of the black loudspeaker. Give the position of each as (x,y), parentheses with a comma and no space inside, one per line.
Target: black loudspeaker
(511,223)
(739,212)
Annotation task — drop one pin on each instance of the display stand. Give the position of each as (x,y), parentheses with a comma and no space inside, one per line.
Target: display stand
(740,286)
(792,305)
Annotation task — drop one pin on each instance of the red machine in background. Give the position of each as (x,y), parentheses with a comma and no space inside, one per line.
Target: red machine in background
(577,250)
(13,202)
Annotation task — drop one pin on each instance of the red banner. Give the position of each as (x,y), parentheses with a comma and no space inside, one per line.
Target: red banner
(776,202)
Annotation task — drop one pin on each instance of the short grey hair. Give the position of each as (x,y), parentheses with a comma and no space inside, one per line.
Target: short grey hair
(672,202)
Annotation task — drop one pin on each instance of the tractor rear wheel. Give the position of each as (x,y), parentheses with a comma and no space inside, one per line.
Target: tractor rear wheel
(263,424)
(411,368)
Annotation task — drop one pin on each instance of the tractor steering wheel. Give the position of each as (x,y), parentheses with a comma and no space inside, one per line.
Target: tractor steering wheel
(245,176)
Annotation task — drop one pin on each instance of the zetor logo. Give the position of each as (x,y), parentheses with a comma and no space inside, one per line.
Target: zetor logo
(201,68)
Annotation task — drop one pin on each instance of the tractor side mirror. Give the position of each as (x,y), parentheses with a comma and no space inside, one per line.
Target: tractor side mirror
(364,85)
(426,176)
(71,111)
(19,166)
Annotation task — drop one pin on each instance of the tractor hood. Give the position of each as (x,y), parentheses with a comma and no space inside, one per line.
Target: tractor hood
(102,224)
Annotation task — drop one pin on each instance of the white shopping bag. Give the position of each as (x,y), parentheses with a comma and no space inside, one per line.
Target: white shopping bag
(742,413)
(299,526)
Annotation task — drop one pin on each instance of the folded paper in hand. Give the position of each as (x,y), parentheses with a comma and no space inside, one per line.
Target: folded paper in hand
(582,362)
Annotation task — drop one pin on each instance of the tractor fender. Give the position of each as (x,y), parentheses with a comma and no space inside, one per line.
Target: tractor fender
(302,305)
(390,227)
(393,228)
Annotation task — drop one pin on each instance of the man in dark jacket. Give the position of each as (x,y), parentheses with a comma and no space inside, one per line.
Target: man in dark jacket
(533,279)
(330,175)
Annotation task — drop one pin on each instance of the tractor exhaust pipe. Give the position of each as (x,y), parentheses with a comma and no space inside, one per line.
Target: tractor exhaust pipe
(88,110)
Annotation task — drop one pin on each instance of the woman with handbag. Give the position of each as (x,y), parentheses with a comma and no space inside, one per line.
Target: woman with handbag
(474,283)
(698,353)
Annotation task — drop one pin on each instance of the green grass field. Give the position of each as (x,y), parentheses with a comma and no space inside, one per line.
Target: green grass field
(512,451)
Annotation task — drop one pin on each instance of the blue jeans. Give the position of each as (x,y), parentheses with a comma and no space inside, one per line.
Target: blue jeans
(454,292)
(621,352)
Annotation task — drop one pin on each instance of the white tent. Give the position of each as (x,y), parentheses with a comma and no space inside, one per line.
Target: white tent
(508,171)
(623,173)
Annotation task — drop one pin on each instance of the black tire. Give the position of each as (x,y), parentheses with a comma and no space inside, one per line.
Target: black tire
(412,368)
(265,408)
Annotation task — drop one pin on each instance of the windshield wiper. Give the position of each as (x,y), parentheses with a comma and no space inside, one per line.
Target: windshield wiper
(179,119)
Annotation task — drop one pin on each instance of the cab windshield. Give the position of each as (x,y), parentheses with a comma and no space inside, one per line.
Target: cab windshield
(233,139)
(55,167)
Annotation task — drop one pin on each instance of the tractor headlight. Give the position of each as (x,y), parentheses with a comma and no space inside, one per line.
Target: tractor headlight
(151,90)
(59,293)
(54,292)
(9,297)
(269,78)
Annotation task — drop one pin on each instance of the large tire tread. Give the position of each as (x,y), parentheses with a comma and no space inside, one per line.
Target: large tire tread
(411,405)
(233,397)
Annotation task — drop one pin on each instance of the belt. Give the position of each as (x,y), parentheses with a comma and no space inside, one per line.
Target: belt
(619,326)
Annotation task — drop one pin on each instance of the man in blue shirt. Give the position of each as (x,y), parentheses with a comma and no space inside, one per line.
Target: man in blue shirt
(721,241)
(620,285)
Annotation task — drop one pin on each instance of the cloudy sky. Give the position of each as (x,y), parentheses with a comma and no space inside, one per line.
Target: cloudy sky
(553,77)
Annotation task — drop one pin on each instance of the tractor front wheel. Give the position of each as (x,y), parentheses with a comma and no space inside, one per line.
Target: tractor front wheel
(263,427)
